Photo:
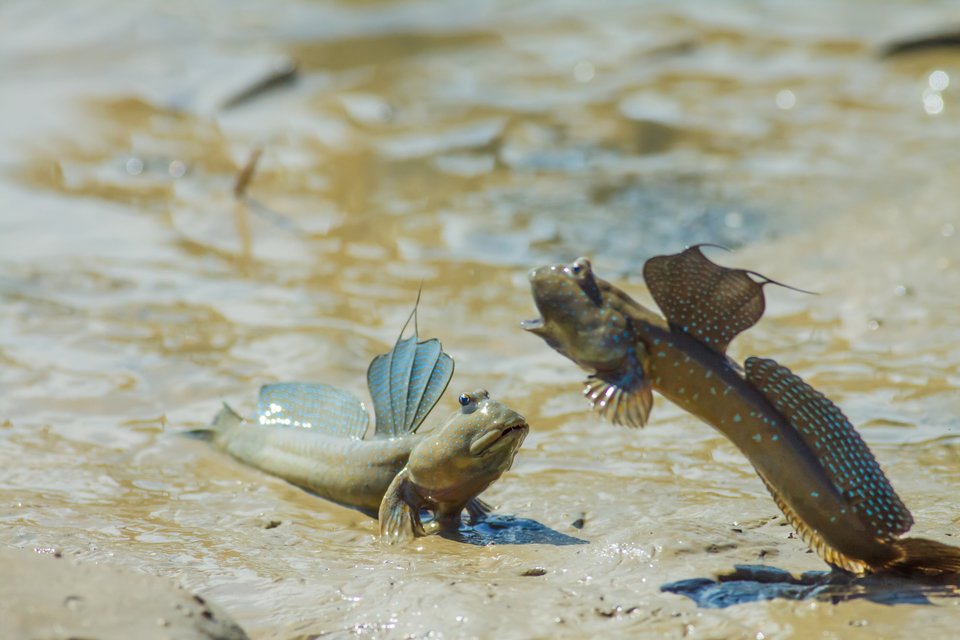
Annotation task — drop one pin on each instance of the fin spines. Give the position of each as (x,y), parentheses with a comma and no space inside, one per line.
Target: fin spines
(625,396)
(842,453)
(312,406)
(408,381)
(813,539)
(399,520)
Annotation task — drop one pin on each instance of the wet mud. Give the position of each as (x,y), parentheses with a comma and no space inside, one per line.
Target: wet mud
(455,146)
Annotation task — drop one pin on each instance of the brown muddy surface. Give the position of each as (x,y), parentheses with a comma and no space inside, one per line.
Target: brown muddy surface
(457,145)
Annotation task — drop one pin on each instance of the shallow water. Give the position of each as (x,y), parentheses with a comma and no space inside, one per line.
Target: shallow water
(457,145)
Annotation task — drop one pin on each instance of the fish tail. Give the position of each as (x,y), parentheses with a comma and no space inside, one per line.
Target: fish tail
(925,557)
(225,420)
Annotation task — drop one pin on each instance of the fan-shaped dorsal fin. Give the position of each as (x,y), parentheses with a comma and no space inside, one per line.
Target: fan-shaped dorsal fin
(406,382)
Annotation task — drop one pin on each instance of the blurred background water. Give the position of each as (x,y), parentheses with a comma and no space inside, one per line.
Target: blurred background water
(456,145)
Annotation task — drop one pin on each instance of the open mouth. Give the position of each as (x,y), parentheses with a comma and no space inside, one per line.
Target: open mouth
(518,430)
(520,426)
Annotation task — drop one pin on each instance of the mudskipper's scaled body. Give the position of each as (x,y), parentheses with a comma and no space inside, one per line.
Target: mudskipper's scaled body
(313,436)
(817,468)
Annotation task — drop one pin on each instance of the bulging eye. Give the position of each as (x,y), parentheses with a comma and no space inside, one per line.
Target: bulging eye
(579,266)
(464,399)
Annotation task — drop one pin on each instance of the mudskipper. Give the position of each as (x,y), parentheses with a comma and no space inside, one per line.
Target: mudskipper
(816,466)
(312,435)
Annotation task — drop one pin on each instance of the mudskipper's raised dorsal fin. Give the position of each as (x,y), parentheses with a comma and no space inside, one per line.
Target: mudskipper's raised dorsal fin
(711,303)
(312,406)
(407,382)
(842,453)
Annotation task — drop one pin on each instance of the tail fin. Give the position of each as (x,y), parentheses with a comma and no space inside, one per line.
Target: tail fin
(225,419)
(925,557)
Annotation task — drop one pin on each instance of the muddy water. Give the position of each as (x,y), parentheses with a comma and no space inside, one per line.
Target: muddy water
(457,145)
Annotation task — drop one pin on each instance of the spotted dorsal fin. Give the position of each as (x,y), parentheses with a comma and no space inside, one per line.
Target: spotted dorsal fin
(841,451)
(710,302)
(312,406)
(407,382)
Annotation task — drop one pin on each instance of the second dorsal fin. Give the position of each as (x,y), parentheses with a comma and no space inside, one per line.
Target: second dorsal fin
(406,382)
(710,302)
(305,405)
(843,455)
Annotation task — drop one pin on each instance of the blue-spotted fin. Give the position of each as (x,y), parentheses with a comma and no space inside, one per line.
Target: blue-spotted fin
(816,466)
(314,435)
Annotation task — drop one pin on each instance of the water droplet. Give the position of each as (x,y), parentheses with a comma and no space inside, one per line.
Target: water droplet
(786,99)
(947,230)
(873,324)
(901,290)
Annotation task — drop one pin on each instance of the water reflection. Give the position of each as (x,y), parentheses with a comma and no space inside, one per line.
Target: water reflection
(755,583)
(507,529)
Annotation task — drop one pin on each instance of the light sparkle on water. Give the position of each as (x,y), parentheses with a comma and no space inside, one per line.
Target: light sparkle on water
(939,80)
(932,102)
(584,71)
(786,99)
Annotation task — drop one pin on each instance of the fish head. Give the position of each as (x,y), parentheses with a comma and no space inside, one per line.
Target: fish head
(470,451)
(579,319)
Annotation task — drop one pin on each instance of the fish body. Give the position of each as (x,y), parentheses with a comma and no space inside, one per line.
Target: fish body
(711,388)
(350,471)
(314,436)
(817,468)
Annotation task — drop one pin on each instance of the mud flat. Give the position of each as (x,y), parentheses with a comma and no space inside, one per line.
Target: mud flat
(45,595)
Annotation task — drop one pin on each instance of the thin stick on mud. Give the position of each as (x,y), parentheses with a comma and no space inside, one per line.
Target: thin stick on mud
(246,174)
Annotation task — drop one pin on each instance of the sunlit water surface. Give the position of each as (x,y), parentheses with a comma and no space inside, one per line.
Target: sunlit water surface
(456,145)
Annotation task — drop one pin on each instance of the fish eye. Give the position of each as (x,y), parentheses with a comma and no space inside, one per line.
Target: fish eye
(578,266)
(464,400)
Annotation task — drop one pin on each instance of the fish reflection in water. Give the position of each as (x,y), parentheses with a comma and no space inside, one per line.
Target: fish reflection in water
(506,529)
(756,583)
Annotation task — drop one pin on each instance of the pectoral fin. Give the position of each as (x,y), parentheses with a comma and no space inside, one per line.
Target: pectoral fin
(478,509)
(400,511)
(624,396)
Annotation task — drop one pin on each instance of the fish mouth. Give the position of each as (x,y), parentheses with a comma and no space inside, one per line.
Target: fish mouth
(489,441)
(516,431)
(520,429)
